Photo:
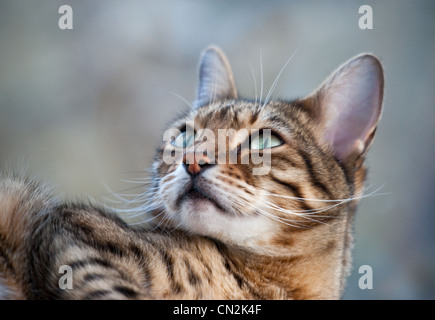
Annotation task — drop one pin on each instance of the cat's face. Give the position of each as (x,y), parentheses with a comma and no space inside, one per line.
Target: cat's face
(252,173)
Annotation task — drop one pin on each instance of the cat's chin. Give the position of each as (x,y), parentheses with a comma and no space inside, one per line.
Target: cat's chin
(198,197)
(198,208)
(202,217)
(199,201)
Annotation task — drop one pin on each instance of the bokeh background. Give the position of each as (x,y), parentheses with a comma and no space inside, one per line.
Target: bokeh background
(85,108)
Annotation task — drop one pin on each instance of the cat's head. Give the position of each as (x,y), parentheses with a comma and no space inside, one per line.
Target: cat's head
(253,173)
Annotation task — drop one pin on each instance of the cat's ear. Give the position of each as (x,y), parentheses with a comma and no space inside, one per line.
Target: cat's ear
(216,80)
(350,103)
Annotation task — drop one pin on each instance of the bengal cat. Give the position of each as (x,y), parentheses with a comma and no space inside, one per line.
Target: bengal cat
(220,229)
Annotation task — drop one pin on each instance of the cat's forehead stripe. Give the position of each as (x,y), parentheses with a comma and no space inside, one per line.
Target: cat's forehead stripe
(239,115)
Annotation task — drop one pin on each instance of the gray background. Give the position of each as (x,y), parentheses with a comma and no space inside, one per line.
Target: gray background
(86,107)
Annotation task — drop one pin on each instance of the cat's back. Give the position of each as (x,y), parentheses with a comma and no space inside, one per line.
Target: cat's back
(41,238)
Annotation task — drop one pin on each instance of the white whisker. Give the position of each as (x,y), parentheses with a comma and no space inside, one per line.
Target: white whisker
(244,203)
(145,221)
(261,78)
(275,82)
(340,201)
(184,100)
(255,82)
(267,208)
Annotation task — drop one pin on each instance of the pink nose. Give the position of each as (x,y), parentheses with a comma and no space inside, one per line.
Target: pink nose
(195,162)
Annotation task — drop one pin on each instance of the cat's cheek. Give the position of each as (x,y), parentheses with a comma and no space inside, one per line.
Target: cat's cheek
(171,188)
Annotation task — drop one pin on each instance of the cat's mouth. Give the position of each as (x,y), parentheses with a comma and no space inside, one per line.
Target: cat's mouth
(196,194)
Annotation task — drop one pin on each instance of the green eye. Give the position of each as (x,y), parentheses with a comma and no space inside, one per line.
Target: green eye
(265,142)
(184,139)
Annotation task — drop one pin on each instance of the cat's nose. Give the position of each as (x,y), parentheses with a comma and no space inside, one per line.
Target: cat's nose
(195,163)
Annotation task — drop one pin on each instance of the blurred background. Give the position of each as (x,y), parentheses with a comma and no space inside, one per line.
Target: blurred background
(85,108)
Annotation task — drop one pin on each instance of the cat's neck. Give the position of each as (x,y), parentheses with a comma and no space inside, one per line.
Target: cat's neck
(314,267)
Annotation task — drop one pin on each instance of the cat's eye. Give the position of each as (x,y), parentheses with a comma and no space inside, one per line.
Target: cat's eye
(268,141)
(184,139)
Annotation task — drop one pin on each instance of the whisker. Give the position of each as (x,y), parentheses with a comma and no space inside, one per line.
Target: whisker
(243,203)
(144,171)
(275,82)
(255,82)
(261,77)
(184,100)
(111,192)
(162,221)
(357,197)
(137,212)
(138,180)
(309,215)
(146,221)
(175,228)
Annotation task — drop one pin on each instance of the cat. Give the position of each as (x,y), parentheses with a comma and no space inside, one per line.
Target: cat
(219,231)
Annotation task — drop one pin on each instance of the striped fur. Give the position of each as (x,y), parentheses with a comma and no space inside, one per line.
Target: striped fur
(221,233)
